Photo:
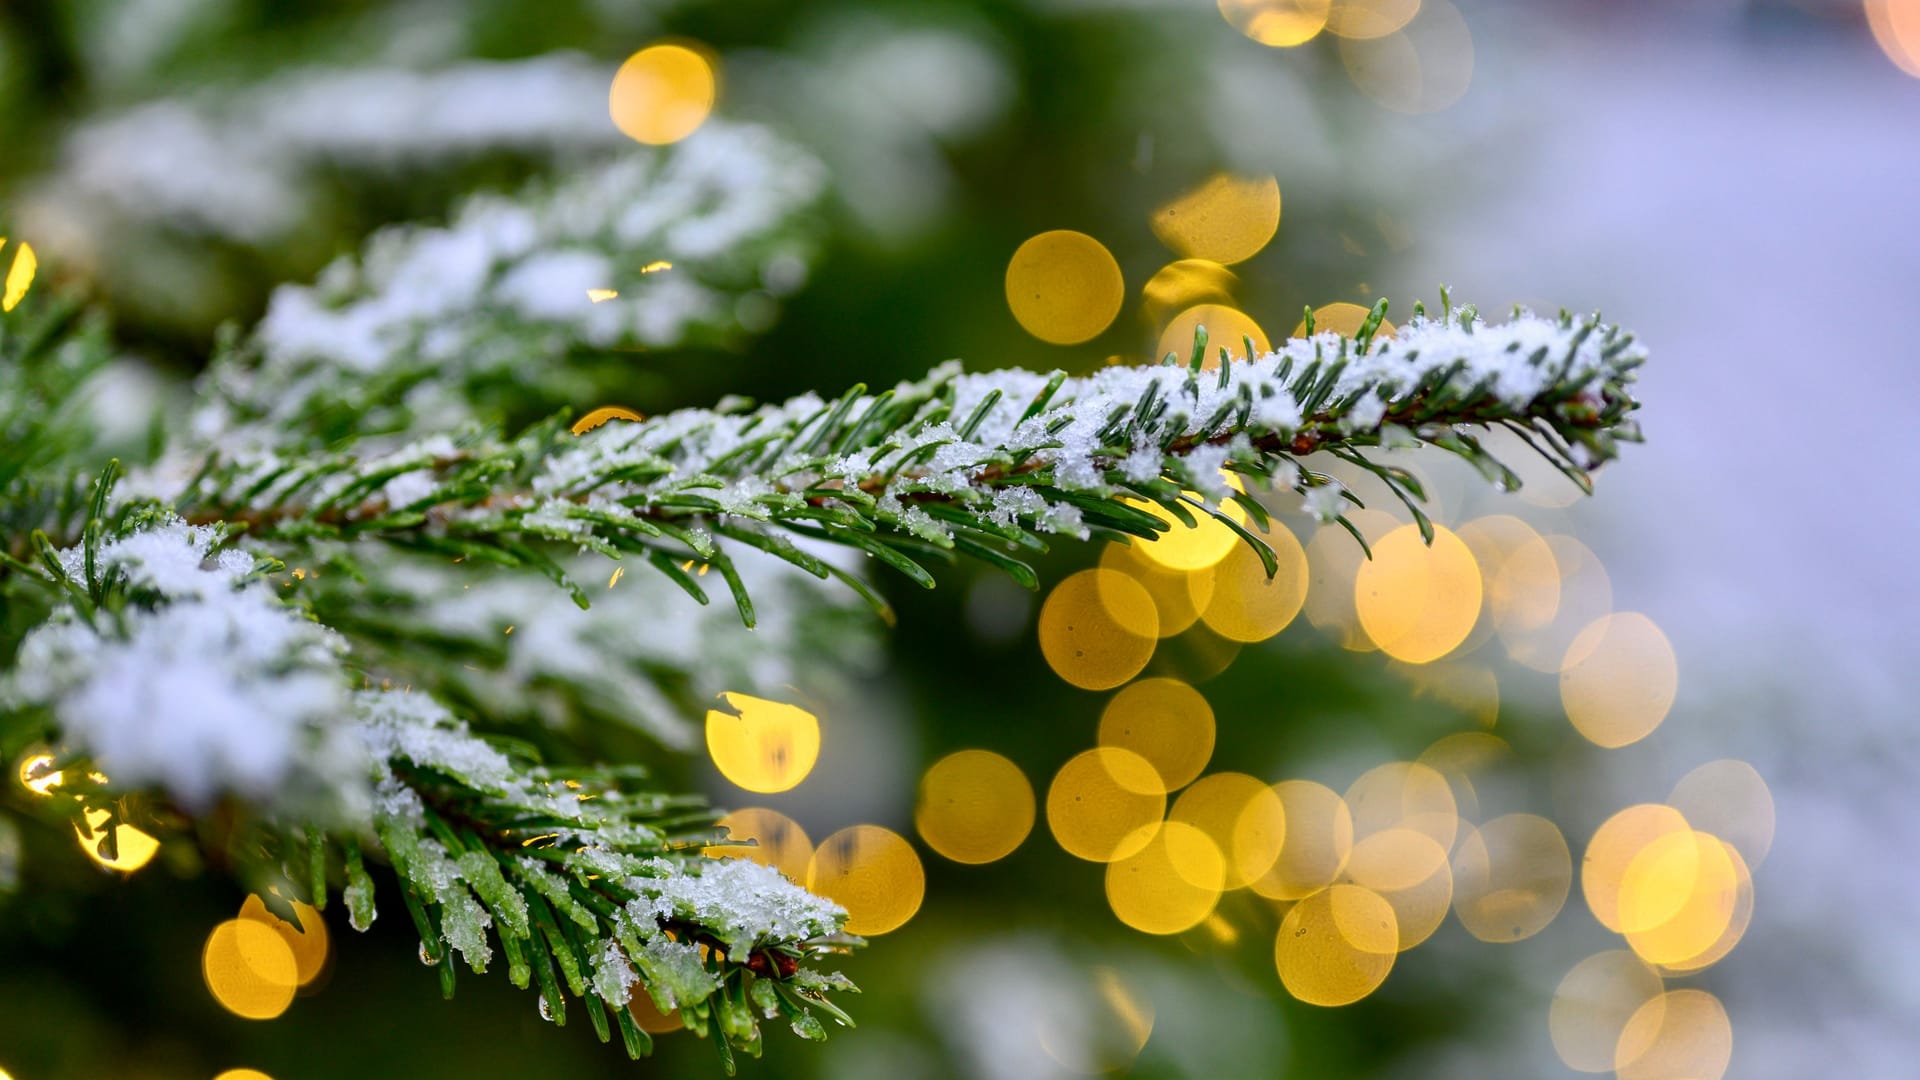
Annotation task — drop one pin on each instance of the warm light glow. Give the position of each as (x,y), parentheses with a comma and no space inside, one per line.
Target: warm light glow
(1064,287)
(662,94)
(1244,819)
(19,276)
(778,841)
(1736,927)
(1408,870)
(1417,601)
(873,873)
(1360,19)
(1177,595)
(1730,800)
(1424,68)
(648,1015)
(603,414)
(770,746)
(1183,283)
(1227,327)
(600,296)
(308,943)
(1193,547)
(1170,883)
(135,848)
(1404,794)
(1245,604)
(1098,628)
(1279,23)
(1682,1034)
(1615,845)
(1618,680)
(1464,758)
(1101,802)
(1521,574)
(1344,319)
(250,969)
(1226,220)
(1318,842)
(1334,560)
(1678,896)
(1896,27)
(1584,594)
(975,806)
(1511,877)
(1166,722)
(1593,1005)
(38,775)
(231,1074)
(1336,946)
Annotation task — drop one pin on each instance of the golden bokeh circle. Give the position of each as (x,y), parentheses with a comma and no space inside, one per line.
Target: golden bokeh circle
(1225,220)
(1098,628)
(645,1013)
(1736,927)
(1619,679)
(1245,604)
(1183,283)
(975,806)
(1511,877)
(769,747)
(1277,23)
(1227,326)
(1199,546)
(1343,318)
(1166,722)
(1417,601)
(1408,870)
(1178,596)
(1895,25)
(873,873)
(249,969)
(1244,819)
(663,93)
(1594,1004)
(1423,68)
(1614,846)
(1317,845)
(1170,882)
(1404,794)
(1101,801)
(1334,560)
(1729,799)
(1366,19)
(1336,946)
(309,943)
(778,841)
(135,847)
(1064,287)
(230,1074)
(1677,897)
(1683,1034)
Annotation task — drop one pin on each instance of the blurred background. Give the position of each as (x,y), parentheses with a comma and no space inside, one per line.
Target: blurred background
(1635,773)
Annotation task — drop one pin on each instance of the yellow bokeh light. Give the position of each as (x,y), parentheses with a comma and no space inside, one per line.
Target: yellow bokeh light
(1896,27)
(1227,327)
(135,848)
(1736,927)
(1170,883)
(770,746)
(1423,68)
(1318,842)
(1226,220)
(1064,287)
(1417,601)
(1363,19)
(1098,628)
(1245,820)
(1618,680)
(1279,23)
(38,775)
(1729,799)
(250,969)
(1585,594)
(1183,283)
(308,943)
(1521,575)
(1178,595)
(1408,870)
(1593,1005)
(1682,1035)
(778,841)
(243,1074)
(974,807)
(1247,605)
(1167,723)
(603,414)
(1463,758)
(1336,946)
(648,1015)
(1334,560)
(1678,896)
(1188,548)
(601,296)
(663,93)
(873,873)
(1344,319)
(1615,845)
(19,276)
(1511,877)
(1404,795)
(1101,803)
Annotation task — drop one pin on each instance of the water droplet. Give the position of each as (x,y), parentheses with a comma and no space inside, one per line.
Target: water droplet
(546,1011)
(426,955)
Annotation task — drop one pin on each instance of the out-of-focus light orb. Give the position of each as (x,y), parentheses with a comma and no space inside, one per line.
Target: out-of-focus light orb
(1336,946)
(1334,560)
(308,943)
(1511,877)
(1344,319)
(1684,1035)
(38,775)
(1246,605)
(663,93)
(1243,817)
(1317,845)
(1521,574)
(1183,283)
(1619,680)
(1614,846)
(778,841)
(1404,794)
(769,747)
(1463,758)
(1424,68)
(1226,220)
(1193,547)
(1585,594)
(641,1007)
(1101,802)
(249,969)
(1417,601)
(1678,896)
(135,847)
(974,807)
(1170,883)
(1098,628)
(230,1074)
(1896,27)
(1364,19)
(603,414)
(1178,595)
(1227,327)
(1408,870)
(1167,723)
(1064,287)
(19,276)
(1593,1005)
(1736,927)
(1729,799)
(873,873)
(1279,23)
